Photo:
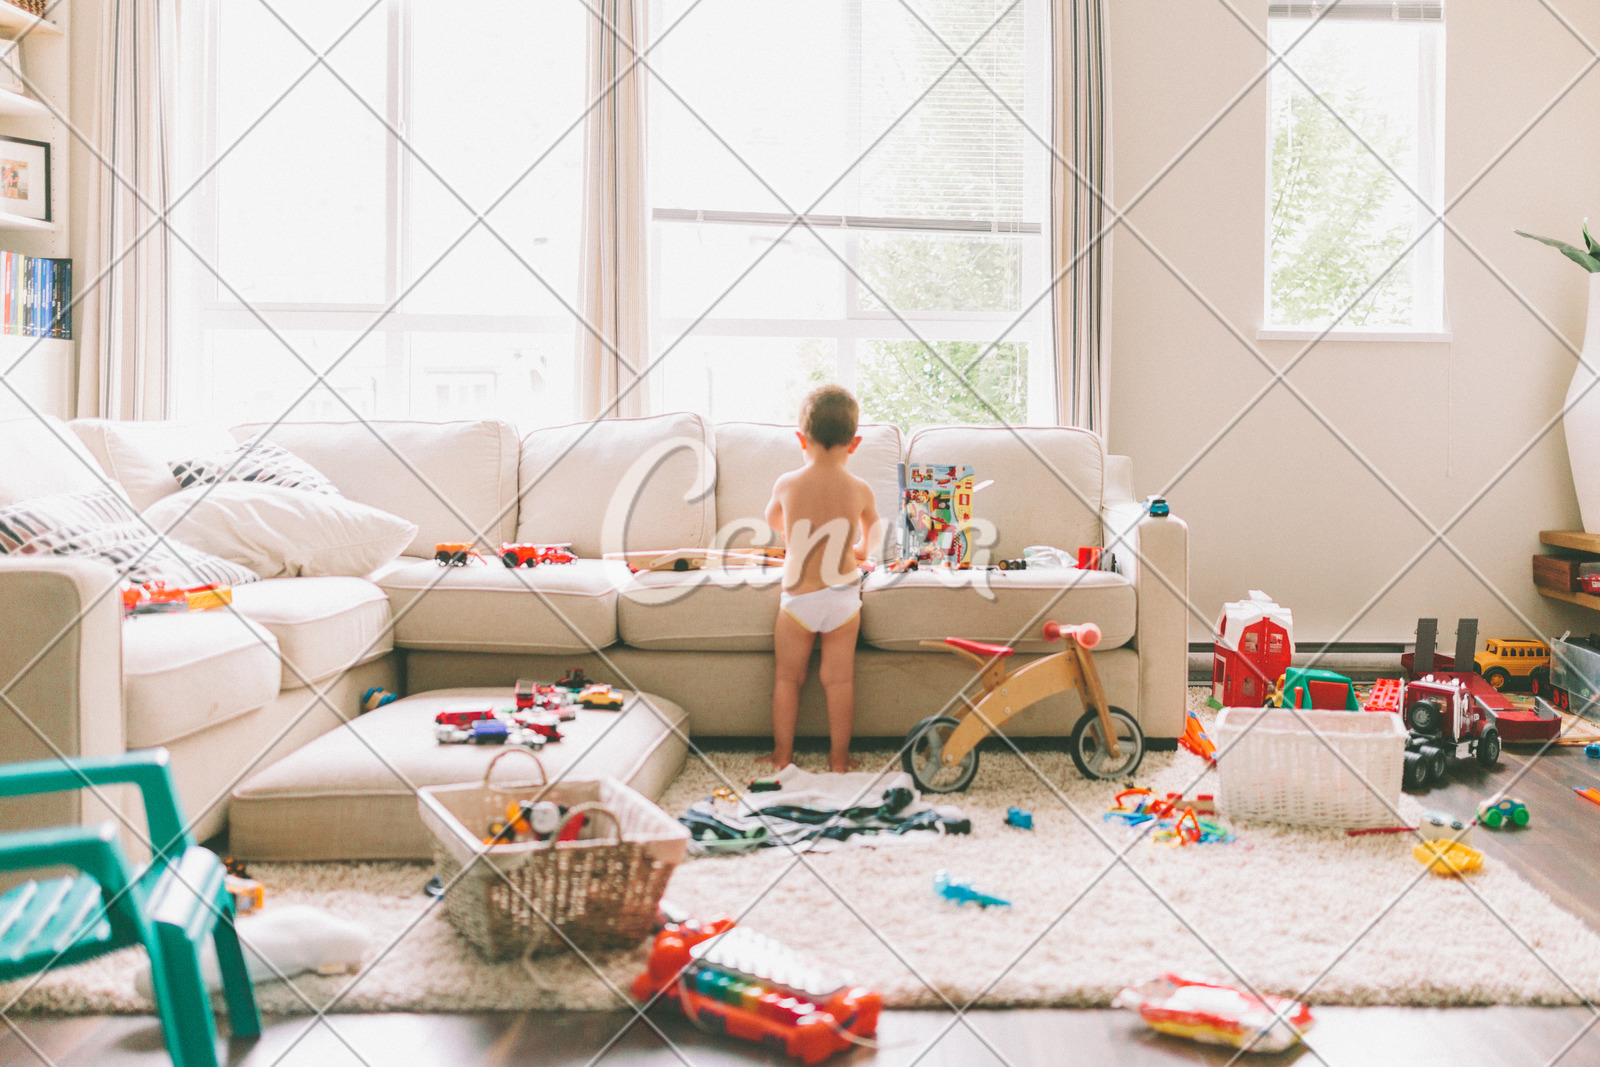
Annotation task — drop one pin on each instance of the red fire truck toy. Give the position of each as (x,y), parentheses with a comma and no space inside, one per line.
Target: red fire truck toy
(462,719)
(734,981)
(531,555)
(1445,721)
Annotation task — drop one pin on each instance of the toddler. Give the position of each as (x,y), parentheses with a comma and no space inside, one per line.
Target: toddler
(829,524)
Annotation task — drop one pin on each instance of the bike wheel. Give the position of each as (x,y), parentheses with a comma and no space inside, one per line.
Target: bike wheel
(1089,747)
(923,757)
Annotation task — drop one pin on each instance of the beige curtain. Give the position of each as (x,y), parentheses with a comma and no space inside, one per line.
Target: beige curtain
(1081,132)
(613,296)
(122,319)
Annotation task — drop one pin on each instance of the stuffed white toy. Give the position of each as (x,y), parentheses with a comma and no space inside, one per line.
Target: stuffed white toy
(295,938)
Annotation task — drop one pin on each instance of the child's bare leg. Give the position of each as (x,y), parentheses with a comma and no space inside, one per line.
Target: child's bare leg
(838,675)
(791,644)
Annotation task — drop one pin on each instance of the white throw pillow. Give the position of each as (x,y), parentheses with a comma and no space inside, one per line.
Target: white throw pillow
(100,524)
(255,460)
(136,453)
(279,532)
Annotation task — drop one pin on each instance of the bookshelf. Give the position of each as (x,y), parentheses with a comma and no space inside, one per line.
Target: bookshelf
(14,21)
(1574,541)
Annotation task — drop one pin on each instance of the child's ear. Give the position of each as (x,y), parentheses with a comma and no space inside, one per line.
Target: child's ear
(855,443)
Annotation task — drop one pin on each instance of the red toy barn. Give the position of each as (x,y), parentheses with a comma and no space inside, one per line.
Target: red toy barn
(1254,642)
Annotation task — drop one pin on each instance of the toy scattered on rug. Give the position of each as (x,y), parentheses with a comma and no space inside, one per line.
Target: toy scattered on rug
(155,598)
(377,697)
(1386,694)
(1446,720)
(1195,739)
(819,812)
(282,942)
(1022,820)
(728,979)
(1177,820)
(247,893)
(1217,1014)
(1442,826)
(1483,675)
(1310,687)
(1254,640)
(1447,858)
(959,891)
(1503,811)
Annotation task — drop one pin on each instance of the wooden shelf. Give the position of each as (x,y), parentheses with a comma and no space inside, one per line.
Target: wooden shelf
(1576,539)
(1583,599)
(16,21)
(16,104)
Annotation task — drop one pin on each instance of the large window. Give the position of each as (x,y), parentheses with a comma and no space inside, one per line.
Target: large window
(1344,209)
(320,219)
(924,194)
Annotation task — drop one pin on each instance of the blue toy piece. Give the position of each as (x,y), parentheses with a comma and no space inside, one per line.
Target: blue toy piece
(171,907)
(1022,820)
(1592,750)
(375,698)
(1158,507)
(1504,811)
(961,892)
(489,732)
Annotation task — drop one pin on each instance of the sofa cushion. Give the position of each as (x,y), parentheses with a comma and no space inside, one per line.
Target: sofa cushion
(137,454)
(323,625)
(1040,473)
(349,795)
(554,607)
(899,610)
(452,479)
(751,456)
(619,484)
(43,457)
(185,672)
(731,610)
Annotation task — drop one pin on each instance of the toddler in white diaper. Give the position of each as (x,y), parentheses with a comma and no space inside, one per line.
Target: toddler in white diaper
(829,524)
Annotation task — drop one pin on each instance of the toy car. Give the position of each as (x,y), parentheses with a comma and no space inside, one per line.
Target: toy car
(524,554)
(1445,720)
(1592,750)
(463,719)
(1504,811)
(455,553)
(1503,659)
(573,680)
(600,695)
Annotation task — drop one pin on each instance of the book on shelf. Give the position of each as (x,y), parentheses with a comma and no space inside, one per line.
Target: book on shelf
(35,296)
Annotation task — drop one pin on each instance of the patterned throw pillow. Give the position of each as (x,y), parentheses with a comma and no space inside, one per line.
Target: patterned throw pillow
(262,462)
(101,524)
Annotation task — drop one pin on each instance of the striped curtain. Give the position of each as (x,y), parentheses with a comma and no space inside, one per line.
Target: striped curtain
(123,327)
(1080,173)
(614,295)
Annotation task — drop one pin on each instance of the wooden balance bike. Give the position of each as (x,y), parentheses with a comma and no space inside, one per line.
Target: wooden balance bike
(941,752)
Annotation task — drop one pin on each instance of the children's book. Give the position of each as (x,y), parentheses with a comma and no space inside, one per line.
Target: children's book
(935,512)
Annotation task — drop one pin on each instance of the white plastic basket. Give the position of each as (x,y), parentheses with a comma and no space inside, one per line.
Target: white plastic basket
(1279,771)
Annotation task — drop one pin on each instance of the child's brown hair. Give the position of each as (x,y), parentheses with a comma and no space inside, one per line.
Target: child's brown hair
(828,415)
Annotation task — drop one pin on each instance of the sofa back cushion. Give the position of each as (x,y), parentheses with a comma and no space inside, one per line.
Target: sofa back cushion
(751,455)
(453,479)
(619,484)
(43,457)
(1048,481)
(138,454)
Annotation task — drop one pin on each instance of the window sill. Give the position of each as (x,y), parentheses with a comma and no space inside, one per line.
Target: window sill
(1403,336)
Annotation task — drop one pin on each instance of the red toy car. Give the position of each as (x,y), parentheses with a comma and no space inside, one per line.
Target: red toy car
(462,719)
(1590,583)
(531,555)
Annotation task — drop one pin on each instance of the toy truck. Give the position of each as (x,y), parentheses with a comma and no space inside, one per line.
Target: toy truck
(455,553)
(1445,720)
(531,555)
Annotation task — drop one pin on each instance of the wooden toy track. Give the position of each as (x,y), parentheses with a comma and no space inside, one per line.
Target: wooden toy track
(941,753)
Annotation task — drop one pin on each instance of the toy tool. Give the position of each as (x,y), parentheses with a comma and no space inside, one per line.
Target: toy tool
(731,980)
(1588,793)
(959,891)
(941,752)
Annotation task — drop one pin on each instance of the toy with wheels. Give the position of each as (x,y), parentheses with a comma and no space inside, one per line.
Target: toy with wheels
(1503,811)
(941,752)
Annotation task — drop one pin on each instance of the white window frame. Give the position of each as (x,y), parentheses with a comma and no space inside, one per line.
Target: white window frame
(1429,253)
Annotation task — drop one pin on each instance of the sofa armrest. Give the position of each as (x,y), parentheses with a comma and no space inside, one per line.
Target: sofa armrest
(1153,553)
(60,677)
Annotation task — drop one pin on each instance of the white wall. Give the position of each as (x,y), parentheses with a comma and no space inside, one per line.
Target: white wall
(1279,504)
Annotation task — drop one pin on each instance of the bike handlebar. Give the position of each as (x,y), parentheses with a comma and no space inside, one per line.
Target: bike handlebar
(1086,634)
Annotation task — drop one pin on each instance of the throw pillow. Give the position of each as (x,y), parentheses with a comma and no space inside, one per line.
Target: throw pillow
(256,461)
(101,524)
(279,532)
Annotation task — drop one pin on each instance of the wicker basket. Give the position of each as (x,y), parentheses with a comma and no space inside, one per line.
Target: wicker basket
(1279,771)
(598,891)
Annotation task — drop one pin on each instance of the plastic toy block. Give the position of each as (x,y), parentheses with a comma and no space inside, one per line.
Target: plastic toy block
(1022,820)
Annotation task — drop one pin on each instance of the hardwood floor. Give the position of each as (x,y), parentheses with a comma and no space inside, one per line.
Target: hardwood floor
(1559,852)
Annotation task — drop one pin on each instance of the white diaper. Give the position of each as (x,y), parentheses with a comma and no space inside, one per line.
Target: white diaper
(824,610)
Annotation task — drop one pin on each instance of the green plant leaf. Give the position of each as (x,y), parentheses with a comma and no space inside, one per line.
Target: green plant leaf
(1594,248)
(1588,262)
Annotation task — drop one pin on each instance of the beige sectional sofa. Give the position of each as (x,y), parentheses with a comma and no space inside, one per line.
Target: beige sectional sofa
(229,692)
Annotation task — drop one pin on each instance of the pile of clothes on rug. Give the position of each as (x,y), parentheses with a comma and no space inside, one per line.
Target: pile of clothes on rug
(818,812)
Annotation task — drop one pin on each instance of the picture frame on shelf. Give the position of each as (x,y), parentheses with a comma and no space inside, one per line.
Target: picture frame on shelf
(11,66)
(25,178)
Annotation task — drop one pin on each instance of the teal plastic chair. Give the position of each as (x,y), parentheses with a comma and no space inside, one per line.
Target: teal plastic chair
(170,907)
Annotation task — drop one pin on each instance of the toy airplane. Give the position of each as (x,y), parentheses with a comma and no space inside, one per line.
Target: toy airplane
(961,892)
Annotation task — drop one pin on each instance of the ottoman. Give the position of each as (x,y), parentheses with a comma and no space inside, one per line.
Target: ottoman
(335,799)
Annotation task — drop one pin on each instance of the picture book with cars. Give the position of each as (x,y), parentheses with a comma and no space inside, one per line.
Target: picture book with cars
(935,511)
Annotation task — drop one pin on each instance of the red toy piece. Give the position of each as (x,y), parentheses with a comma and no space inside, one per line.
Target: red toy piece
(527,554)
(1254,641)
(1196,740)
(462,719)
(1386,695)
(734,981)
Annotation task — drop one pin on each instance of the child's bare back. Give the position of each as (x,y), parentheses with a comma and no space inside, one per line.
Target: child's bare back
(823,507)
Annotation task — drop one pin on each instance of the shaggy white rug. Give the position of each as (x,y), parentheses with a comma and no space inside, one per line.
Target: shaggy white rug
(1285,908)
